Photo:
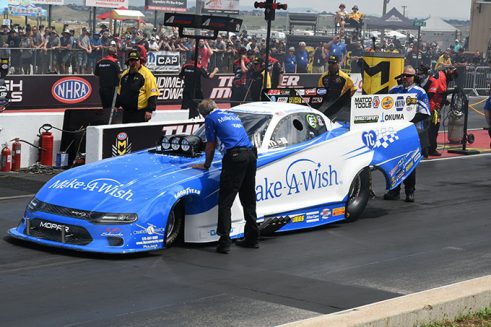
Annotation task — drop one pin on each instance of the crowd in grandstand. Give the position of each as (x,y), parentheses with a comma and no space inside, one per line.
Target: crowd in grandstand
(44,50)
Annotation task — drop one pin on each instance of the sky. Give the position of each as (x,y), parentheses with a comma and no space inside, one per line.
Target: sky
(415,8)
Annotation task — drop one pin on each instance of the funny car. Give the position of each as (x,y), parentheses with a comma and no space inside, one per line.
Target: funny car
(311,171)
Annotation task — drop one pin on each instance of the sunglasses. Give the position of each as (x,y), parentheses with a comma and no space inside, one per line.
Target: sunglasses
(407,75)
(133,59)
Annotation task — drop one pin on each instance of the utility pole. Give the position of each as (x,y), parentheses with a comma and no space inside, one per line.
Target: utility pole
(404,11)
(384,11)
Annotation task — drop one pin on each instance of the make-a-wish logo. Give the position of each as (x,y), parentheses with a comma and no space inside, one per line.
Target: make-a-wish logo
(302,175)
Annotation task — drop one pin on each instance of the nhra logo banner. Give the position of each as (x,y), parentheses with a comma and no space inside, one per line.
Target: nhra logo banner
(164,61)
(381,108)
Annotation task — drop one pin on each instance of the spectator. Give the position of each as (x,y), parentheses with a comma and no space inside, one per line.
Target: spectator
(355,18)
(239,82)
(338,49)
(37,44)
(13,41)
(84,50)
(457,46)
(460,63)
(64,52)
(51,46)
(275,70)
(290,62)
(320,58)
(26,43)
(153,45)
(341,16)
(204,52)
(302,58)
(96,46)
(444,61)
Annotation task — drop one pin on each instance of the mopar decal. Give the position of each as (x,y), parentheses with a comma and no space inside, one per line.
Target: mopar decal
(71,90)
(303,175)
(107,186)
(54,226)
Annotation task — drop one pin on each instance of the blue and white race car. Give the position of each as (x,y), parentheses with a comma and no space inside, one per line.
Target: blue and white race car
(311,171)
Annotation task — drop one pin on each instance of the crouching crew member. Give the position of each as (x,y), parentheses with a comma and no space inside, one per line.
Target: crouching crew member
(238,173)
(421,120)
(138,91)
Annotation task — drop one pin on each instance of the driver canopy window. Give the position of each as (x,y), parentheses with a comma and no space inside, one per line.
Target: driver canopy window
(297,128)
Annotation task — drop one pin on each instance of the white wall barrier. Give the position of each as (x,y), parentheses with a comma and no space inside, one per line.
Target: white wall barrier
(26,126)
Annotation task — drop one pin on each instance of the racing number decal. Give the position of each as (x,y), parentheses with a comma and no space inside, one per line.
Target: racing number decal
(369,139)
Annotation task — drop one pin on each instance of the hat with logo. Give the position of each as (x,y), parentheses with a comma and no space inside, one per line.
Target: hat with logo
(133,55)
(355,7)
(332,60)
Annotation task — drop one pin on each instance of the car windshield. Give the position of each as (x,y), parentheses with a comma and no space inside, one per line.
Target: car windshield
(255,125)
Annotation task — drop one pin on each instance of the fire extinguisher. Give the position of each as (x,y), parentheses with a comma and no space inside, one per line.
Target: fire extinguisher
(16,150)
(5,158)
(46,145)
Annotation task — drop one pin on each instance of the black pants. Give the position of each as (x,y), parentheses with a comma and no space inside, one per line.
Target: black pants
(133,116)
(106,94)
(191,102)
(409,183)
(238,176)
(433,134)
(238,95)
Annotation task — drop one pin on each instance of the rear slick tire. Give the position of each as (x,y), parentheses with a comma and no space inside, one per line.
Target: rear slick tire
(358,195)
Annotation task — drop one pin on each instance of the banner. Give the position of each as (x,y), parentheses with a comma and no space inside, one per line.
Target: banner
(164,61)
(221,6)
(126,139)
(166,5)
(49,2)
(55,91)
(381,108)
(107,3)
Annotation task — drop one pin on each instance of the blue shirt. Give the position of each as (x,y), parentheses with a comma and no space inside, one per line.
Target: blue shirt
(338,50)
(487,105)
(290,63)
(302,58)
(423,106)
(228,128)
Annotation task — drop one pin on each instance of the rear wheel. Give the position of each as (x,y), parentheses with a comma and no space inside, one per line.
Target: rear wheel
(175,224)
(358,195)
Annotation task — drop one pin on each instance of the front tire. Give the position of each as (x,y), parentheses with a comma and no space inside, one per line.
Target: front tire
(358,195)
(175,224)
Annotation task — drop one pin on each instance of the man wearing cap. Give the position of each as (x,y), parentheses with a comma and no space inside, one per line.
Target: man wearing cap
(336,81)
(290,62)
(192,92)
(108,71)
(341,16)
(238,174)
(96,45)
(275,70)
(83,44)
(64,52)
(239,83)
(255,79)
(302,58)
(137,92)
(355,18)
(420,120)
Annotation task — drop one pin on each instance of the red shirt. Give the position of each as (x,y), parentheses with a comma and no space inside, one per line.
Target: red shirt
(438,86)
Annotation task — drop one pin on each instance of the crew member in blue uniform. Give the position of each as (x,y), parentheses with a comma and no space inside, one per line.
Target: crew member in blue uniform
(238,172)
(421,120)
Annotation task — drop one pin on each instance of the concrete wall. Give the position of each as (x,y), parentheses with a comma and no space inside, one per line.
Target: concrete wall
(26,127)
(480,32)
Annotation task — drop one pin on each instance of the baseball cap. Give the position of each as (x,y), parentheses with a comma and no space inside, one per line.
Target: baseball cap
(332,60)
(133,54)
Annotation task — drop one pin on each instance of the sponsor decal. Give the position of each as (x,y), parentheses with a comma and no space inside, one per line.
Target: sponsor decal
(316,100)
(285,92)
(389,117)
(310,92)
(300,92)
(410,100)
(171,88)
(312,217)
(302,175)
(363,102)
(311,120)
(387,103)
(283,99)
(274,92)
(369,139)
(297,218)
(122,145)
(112,232)
(53,226)
(295,100)
(321,91)
(105,186)
(12,90)
(409,166)
(320,121)
(375,102)
(186,191)
(400,103)
(150,241)
(365,119)
(187,129)
(338,211)
(150,229)
(416,156)
(326,213)
(71,90)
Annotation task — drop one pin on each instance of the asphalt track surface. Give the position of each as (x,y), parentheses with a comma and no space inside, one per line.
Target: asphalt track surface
(397,248)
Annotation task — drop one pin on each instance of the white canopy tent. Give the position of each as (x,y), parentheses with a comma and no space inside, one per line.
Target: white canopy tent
(439,31)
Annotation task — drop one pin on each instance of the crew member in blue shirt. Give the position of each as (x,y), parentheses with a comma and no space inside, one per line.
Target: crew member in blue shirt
(238,172)
(487,115)
(421,120)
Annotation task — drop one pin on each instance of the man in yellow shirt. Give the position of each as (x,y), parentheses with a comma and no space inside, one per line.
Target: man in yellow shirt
(355,18)
(444,61)
(137,91)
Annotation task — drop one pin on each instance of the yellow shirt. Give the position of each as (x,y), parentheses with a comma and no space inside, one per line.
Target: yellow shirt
(343,82)
(441,62)
(129,83)
(356,15)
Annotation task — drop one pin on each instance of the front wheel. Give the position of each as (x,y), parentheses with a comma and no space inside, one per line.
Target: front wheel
(175,223)
(358,195)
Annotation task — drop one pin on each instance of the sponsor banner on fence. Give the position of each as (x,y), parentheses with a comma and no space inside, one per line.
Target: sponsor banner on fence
(55,91)
(164,61)
(126,139)
(381,108)
(221,6)
(166,5)
(48,2)
(107,3)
